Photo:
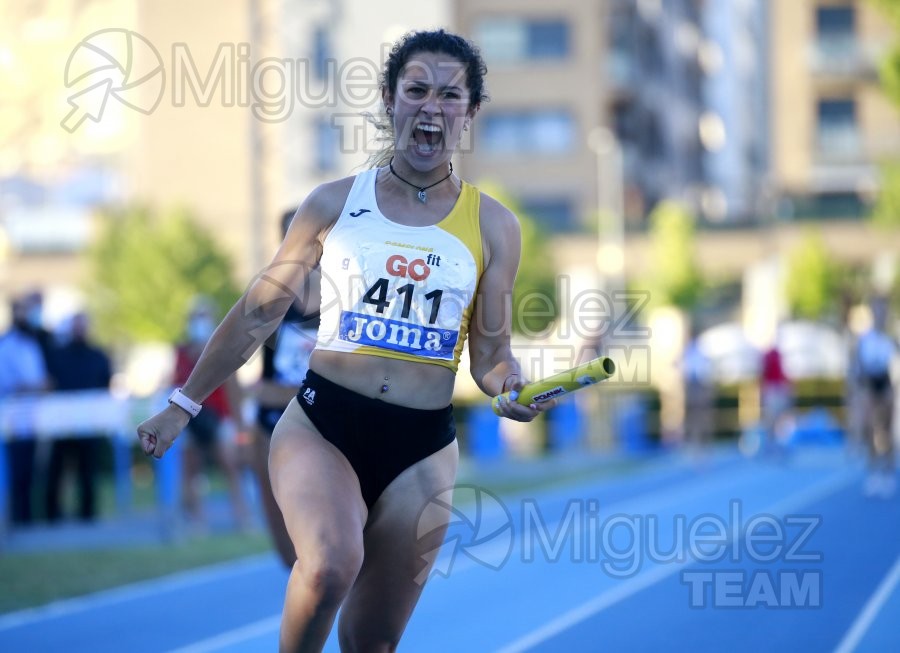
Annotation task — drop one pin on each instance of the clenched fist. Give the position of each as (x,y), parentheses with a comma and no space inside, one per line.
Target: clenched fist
(159,432)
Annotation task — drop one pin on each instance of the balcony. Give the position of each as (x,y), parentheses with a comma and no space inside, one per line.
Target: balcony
(839,144)
(843,58)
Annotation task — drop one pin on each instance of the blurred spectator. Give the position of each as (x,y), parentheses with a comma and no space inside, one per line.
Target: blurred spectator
(875,354)
(76,364)
(23,370)
(699,393)
(213,433)
(32,321)
(776,398)
(285,362)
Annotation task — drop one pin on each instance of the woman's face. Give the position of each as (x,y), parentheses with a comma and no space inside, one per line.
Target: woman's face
(430,107)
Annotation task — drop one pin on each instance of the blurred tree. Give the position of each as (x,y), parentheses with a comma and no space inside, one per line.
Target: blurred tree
(887,208)
(144,271)
(812,282)
(534,298)
(886,212)
(675,276)
(889,70)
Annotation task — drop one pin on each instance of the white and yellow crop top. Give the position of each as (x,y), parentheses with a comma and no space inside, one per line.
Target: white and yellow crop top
(399,291)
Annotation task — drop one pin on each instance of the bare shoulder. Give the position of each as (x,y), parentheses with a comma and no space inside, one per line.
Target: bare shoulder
(493,212)
(321,208)
(499,226)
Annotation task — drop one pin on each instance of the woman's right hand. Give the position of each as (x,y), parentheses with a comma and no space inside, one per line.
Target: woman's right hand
(159,432)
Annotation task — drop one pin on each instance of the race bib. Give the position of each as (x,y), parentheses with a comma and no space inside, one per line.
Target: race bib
(409,301)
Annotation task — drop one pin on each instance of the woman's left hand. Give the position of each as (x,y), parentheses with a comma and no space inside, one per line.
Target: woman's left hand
(510,408)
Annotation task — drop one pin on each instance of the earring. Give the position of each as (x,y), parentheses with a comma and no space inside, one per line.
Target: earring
(389,112)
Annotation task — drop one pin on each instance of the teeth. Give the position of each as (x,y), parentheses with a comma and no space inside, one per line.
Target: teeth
(429,128)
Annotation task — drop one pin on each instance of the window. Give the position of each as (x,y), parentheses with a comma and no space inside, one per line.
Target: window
(508,40)
(837,134)
(527,132)
(835,22)
(835,34)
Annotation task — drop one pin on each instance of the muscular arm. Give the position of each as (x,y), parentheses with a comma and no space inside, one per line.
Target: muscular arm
(493,366)
(492,362)
(260,310)
(256,314)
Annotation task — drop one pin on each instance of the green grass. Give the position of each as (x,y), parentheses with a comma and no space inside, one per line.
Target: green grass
(32,579)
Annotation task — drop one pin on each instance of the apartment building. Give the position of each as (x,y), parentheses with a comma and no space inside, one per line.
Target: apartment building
(830,124)
(740,109)
(659,75)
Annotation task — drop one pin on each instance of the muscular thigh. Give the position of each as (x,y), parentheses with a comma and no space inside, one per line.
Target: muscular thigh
(314,485)
(397,556)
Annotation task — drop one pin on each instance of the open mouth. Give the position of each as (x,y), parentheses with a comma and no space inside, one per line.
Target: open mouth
(428,138)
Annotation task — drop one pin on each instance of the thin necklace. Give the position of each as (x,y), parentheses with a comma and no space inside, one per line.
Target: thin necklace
(423,196)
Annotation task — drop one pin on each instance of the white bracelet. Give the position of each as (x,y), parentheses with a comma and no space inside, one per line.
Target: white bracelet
(182,401)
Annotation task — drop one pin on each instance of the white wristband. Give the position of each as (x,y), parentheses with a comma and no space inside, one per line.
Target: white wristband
(182,401)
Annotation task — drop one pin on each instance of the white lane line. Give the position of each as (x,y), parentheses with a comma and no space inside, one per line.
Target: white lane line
(873,606)
(105,598)
(624,590)
(231,637)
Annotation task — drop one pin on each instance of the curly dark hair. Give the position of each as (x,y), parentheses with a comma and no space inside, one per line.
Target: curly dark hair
(438,41)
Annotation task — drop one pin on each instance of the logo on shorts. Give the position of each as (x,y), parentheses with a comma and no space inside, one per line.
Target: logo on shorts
(309,395)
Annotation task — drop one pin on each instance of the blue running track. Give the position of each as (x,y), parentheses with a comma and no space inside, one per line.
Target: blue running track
(726,554)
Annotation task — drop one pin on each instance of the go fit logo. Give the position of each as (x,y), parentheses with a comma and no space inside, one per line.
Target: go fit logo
(417,269)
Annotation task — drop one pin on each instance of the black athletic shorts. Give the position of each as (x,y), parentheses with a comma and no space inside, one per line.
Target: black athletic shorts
(379,439)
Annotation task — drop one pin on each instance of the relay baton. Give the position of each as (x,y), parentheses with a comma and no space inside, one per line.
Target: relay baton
(586,374)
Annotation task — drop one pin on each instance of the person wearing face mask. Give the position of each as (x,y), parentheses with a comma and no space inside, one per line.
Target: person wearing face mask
(77,364)
(210,438)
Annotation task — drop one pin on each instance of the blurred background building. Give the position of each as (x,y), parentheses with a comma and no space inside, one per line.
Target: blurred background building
(755,114)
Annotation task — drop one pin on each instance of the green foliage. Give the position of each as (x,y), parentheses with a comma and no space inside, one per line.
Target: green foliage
(534,295)
(886,212)
(812,280)
(890,9)
(887,209)
(889,72)
(145,270)
(675,276)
